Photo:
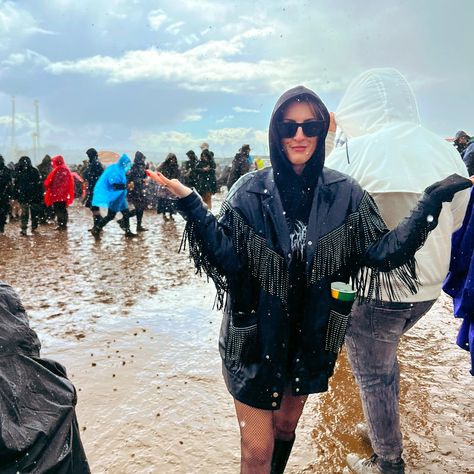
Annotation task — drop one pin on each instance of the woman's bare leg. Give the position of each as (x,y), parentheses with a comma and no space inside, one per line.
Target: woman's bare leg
(285,421)
(286,418)
(259,428)
(256,438)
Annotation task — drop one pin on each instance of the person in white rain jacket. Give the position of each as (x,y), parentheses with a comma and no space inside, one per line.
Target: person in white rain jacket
(394,158)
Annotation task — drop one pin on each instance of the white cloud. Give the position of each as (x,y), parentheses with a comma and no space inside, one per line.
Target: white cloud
(244,110)
(192,118)
(190,39)
(226,118)
(28,56)
(175,28)
(216,61)
(223,141)
(16,24)
(25,126)
(234,137)
(156,18)
(35,29)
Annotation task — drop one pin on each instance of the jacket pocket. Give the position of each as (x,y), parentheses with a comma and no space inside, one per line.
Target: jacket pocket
(241,347)
(336,330)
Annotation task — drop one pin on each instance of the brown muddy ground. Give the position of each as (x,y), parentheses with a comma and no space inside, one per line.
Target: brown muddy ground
(135,328)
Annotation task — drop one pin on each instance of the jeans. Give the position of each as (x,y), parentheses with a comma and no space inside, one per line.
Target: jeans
(372,342)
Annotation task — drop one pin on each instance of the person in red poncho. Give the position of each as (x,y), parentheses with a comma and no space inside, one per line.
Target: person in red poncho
(59,193)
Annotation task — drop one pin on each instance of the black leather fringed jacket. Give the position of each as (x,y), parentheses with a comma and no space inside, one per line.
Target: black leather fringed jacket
(246,252)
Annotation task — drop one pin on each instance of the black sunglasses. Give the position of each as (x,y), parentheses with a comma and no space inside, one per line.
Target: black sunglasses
(312,128)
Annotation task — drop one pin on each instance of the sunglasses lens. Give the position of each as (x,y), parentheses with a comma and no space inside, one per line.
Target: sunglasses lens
(312,128)
(287,129)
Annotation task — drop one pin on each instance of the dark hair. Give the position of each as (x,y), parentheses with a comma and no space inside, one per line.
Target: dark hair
(302,98)
(461,134)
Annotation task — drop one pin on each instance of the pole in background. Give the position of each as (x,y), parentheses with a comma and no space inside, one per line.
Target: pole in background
(35,147)
(13,143)
(37,133)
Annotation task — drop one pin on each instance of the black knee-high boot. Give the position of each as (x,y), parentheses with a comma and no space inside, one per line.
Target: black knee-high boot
(281,453)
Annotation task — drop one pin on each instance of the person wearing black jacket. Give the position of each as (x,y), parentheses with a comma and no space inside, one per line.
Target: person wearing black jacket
(240,166)
(283,236)
(45,213)
(206,184)
(91,175)
(5,193)
(188,169)
(465,146)
(136,194)
(468,157)
(28,191)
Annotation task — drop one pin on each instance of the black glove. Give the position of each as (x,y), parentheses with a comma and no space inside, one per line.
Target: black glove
(119,187)
(444,191)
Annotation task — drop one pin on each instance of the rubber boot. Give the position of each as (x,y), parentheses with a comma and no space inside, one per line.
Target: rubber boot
(281,453)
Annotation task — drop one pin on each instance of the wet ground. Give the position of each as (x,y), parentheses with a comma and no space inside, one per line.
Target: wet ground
(135,328)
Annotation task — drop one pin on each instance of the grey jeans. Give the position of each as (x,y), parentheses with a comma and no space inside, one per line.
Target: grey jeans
(372,341)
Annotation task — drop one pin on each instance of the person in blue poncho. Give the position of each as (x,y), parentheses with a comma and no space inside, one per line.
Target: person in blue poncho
(459,283)
(110,192)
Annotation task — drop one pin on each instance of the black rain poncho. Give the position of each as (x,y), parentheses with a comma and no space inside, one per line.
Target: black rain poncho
(38,430)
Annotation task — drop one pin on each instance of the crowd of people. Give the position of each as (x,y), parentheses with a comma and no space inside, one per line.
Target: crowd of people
(377,213)
(42,194)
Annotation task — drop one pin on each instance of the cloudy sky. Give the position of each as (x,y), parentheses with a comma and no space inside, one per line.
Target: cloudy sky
(165,75)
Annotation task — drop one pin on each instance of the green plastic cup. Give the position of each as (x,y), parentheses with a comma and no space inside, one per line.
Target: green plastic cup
(342,291)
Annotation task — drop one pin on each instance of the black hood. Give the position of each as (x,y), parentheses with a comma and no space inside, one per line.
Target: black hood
(24,163)
(139,159)
(296,191)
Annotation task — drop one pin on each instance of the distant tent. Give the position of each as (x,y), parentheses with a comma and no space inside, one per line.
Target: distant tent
(108,157)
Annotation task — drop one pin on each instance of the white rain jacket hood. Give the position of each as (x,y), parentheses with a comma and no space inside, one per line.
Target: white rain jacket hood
(395,158)
(379,116)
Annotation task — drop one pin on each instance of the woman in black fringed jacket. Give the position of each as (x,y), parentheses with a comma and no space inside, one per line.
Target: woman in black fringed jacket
(283,235)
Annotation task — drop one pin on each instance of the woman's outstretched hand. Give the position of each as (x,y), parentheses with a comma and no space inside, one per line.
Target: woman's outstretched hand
(173,185)
(445,189)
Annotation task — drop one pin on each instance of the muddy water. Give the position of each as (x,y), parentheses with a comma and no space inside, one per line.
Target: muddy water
(135,328)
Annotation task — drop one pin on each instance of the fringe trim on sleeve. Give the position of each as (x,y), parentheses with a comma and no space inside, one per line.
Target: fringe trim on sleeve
(264,264)
(202,263)
(342,250)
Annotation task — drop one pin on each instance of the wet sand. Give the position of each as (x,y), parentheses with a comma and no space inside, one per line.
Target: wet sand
(135,328)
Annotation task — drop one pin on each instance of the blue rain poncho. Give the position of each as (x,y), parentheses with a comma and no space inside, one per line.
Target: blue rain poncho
(105,194)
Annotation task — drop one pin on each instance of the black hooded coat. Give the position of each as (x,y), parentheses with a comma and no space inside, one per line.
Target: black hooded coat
(91,175)
(279,328)
(38,430)
(28,186)
(137,176)
(5,184)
